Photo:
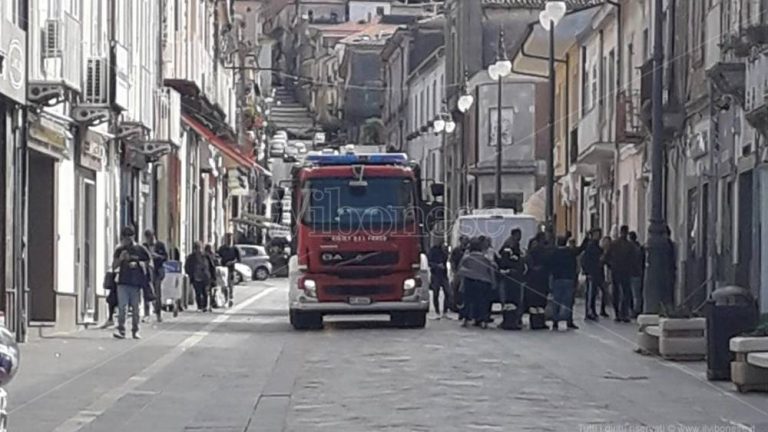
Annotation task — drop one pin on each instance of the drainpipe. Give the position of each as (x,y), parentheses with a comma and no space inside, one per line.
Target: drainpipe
(567,140)
(616,157)
(20,201)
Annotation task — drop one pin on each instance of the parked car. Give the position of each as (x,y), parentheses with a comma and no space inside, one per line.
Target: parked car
(243,273)
(276,148)
(282,135)
(291,154)
(301,147)
(256,258)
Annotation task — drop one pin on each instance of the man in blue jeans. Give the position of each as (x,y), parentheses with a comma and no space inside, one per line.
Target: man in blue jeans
(563,269)
(133,263)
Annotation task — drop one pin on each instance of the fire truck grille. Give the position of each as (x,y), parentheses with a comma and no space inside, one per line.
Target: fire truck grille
(363,291)
(355,259)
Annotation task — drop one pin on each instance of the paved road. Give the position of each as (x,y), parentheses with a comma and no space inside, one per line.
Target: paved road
(246,371)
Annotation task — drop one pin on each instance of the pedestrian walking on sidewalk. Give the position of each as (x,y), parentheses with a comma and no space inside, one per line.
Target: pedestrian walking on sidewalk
(200,269)
(622,257)
(592,267)
(229,256)
(159,255)
(132,262)
(438,268)
(562,267)
(478,275)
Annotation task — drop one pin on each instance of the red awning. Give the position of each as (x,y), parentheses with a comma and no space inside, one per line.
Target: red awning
(223,145)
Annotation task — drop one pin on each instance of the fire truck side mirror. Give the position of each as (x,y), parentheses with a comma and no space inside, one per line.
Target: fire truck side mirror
(437,189)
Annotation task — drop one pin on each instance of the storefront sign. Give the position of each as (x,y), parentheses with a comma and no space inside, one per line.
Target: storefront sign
(50,137)
(92,151)
(12,62)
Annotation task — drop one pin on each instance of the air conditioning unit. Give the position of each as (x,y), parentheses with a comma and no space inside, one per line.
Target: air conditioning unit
(162,117)
(96,88)
(52,41)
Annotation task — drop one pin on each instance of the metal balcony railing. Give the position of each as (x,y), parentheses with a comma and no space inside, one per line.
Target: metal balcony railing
(629,126)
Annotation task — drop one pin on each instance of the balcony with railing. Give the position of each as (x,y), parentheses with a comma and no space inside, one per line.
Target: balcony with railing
(629,127)
(756,94)
(672,110)
(61,61)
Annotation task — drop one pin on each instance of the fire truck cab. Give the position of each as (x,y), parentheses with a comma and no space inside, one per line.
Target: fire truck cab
(358,245)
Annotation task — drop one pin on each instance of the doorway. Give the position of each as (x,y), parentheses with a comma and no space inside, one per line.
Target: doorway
(85,253)
(744,262)
(42,238)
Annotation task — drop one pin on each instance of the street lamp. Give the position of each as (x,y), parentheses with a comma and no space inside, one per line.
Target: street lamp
(498,71)
(444,126)
(553,12)
(465,102)
(657,292)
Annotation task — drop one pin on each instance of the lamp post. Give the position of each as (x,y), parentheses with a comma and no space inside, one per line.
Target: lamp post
(498,71)
(548,18)
(444,125)
(657,286)
(465,102)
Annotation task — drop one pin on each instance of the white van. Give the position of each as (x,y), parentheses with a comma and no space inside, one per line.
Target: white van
(495,224)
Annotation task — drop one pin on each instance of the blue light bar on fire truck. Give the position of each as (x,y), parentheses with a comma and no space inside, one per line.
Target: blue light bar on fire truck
(357,159)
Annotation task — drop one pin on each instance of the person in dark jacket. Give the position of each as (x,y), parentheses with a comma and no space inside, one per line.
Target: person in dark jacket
(457,253)
(637,276)
(159,255)
(562,266)
(438,269)
(512,273)
(622,257)
(537,288)
(133,263)
(229,255)
(592,266)
(478,275)
(200,269)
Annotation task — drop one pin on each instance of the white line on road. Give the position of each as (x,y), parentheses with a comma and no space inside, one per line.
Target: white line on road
(108,399)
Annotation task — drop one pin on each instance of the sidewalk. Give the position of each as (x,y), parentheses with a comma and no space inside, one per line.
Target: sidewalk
(87,363)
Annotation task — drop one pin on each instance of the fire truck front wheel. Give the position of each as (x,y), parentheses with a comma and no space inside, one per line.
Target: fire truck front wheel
(415,319)
(306,320)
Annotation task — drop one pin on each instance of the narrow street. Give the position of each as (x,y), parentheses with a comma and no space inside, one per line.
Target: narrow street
(247,370)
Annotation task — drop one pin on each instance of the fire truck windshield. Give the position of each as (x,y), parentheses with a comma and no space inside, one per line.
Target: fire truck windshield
(374,202)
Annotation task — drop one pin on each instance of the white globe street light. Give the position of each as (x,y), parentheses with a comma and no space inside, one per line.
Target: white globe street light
(450,126)
(498,71)
(439,125)
(553,12)
(465,102)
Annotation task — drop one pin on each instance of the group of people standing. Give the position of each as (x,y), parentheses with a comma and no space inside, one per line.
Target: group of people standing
(545,275)
(138,270)
(200,268)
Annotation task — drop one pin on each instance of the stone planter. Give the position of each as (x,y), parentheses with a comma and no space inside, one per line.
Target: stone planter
(749,370)
(648,335)
(683,339)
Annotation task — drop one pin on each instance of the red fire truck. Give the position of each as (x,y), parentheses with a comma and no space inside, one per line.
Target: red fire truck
(358,243)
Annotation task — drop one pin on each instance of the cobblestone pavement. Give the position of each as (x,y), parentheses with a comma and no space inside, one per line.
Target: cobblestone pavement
(246,370)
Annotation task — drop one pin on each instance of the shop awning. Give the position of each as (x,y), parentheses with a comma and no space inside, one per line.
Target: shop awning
(226,147)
